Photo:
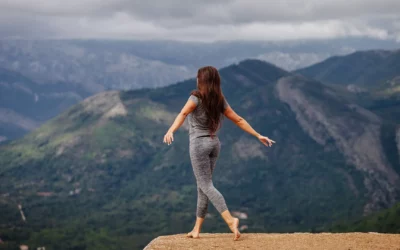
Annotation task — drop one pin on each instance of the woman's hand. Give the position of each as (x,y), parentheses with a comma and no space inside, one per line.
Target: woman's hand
(265,140)
(168,138)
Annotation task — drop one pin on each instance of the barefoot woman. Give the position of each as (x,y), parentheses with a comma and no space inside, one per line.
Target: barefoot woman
(205,109)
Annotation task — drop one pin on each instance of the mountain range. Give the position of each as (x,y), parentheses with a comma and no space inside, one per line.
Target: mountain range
(25,104)
(362,68)
(373,76)
(74,69)
(107,64)
(99,175)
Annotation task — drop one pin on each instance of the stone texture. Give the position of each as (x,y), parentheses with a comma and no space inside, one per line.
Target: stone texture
(273,241)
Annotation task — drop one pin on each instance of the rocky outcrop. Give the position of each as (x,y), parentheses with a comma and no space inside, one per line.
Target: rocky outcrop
(310,241)
(106,103)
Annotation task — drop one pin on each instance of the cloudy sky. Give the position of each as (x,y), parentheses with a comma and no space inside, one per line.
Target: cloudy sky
(200,20)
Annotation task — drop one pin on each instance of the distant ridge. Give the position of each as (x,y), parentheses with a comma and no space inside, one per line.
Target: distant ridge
(362,68)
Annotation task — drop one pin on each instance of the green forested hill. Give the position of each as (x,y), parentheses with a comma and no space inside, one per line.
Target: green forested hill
(99,177)
(387,221)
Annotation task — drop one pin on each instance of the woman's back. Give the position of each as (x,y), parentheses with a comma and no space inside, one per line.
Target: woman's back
(198,119)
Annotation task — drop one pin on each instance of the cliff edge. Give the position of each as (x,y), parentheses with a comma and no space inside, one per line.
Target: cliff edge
(275,241)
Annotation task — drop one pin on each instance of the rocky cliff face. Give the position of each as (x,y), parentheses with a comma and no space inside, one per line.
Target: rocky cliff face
(350,128)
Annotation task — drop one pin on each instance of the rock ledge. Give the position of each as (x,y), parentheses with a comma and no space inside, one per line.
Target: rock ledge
(275,241)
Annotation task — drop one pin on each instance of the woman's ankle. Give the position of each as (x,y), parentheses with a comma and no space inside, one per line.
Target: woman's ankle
(229,219)
(198,224)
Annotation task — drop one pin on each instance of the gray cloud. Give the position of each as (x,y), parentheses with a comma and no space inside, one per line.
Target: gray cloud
(200,20)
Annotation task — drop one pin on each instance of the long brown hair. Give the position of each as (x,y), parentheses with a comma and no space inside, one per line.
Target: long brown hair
(210,93)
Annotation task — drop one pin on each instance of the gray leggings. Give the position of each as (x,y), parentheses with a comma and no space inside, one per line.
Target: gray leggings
(204,152)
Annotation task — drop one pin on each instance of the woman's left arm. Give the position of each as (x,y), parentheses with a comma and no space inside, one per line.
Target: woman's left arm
(180,118)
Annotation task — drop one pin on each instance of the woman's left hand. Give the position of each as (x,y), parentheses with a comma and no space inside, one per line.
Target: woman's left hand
(168,138)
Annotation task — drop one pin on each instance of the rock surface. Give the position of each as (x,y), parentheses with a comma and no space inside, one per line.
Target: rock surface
(309,241)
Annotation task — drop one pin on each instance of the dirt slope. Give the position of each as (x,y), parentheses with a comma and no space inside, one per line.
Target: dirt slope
(293,241)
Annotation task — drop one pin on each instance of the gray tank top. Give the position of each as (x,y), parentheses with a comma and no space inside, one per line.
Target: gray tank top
(197,119)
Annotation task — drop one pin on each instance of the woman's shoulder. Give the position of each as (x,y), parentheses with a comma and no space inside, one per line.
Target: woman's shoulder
(226,103)
(194,98)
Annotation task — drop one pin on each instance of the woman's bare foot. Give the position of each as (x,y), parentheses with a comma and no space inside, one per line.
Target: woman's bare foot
(193,234)
(196,229)
(235,228)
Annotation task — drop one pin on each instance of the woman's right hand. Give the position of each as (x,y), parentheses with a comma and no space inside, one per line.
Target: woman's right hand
(168,138)
(265,140)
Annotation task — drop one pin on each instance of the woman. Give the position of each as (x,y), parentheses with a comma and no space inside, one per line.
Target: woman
(204,108)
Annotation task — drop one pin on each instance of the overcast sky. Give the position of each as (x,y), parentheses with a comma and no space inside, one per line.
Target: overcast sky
(200,20)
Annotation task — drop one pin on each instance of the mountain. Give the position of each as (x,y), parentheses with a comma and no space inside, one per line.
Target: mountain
(25,104)
(96,66)
(108,64)
(372,75)
(99,175)
(361,68)
(70,67)
(386,221)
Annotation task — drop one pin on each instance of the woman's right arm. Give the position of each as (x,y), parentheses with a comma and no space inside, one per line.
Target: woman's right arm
(243,124)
